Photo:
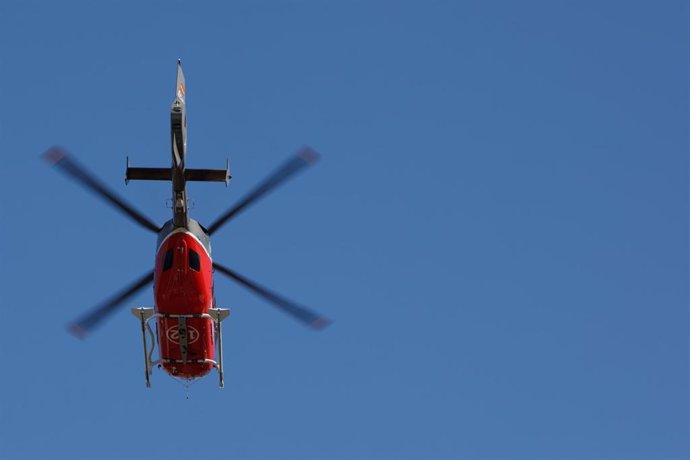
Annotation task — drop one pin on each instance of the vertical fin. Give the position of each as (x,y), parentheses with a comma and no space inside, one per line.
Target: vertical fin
(180,88)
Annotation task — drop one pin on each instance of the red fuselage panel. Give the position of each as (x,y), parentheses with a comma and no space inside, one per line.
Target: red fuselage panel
(183,285)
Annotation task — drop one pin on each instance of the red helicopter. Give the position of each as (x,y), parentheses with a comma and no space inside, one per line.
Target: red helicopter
(188,322)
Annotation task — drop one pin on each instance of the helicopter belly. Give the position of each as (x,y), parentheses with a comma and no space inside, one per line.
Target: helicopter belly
(186,348)
(184,293)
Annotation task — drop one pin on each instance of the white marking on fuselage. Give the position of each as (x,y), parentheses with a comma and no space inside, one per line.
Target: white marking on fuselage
(173,334)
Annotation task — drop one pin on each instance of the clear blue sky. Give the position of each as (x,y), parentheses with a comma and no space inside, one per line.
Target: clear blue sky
(498,227)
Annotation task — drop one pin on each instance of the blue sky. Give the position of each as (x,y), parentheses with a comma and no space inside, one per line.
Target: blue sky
(498,227)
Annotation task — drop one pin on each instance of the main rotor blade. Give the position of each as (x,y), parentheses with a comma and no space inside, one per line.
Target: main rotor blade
(87,322)
(304,157)
(59,157)
(308,317)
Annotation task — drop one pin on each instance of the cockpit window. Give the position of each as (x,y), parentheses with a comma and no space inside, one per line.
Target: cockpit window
(168,261)
(194,263)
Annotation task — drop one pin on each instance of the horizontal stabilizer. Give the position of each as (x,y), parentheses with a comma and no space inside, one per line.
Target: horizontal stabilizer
(148,174)
(208,175)
(197,175)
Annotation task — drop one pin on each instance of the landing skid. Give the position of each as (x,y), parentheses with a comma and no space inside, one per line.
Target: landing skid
(146,314)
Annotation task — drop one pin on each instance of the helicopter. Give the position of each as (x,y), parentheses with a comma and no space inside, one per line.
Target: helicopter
(187,320)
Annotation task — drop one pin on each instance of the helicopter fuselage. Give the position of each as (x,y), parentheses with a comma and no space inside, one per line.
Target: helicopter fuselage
(183,289)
